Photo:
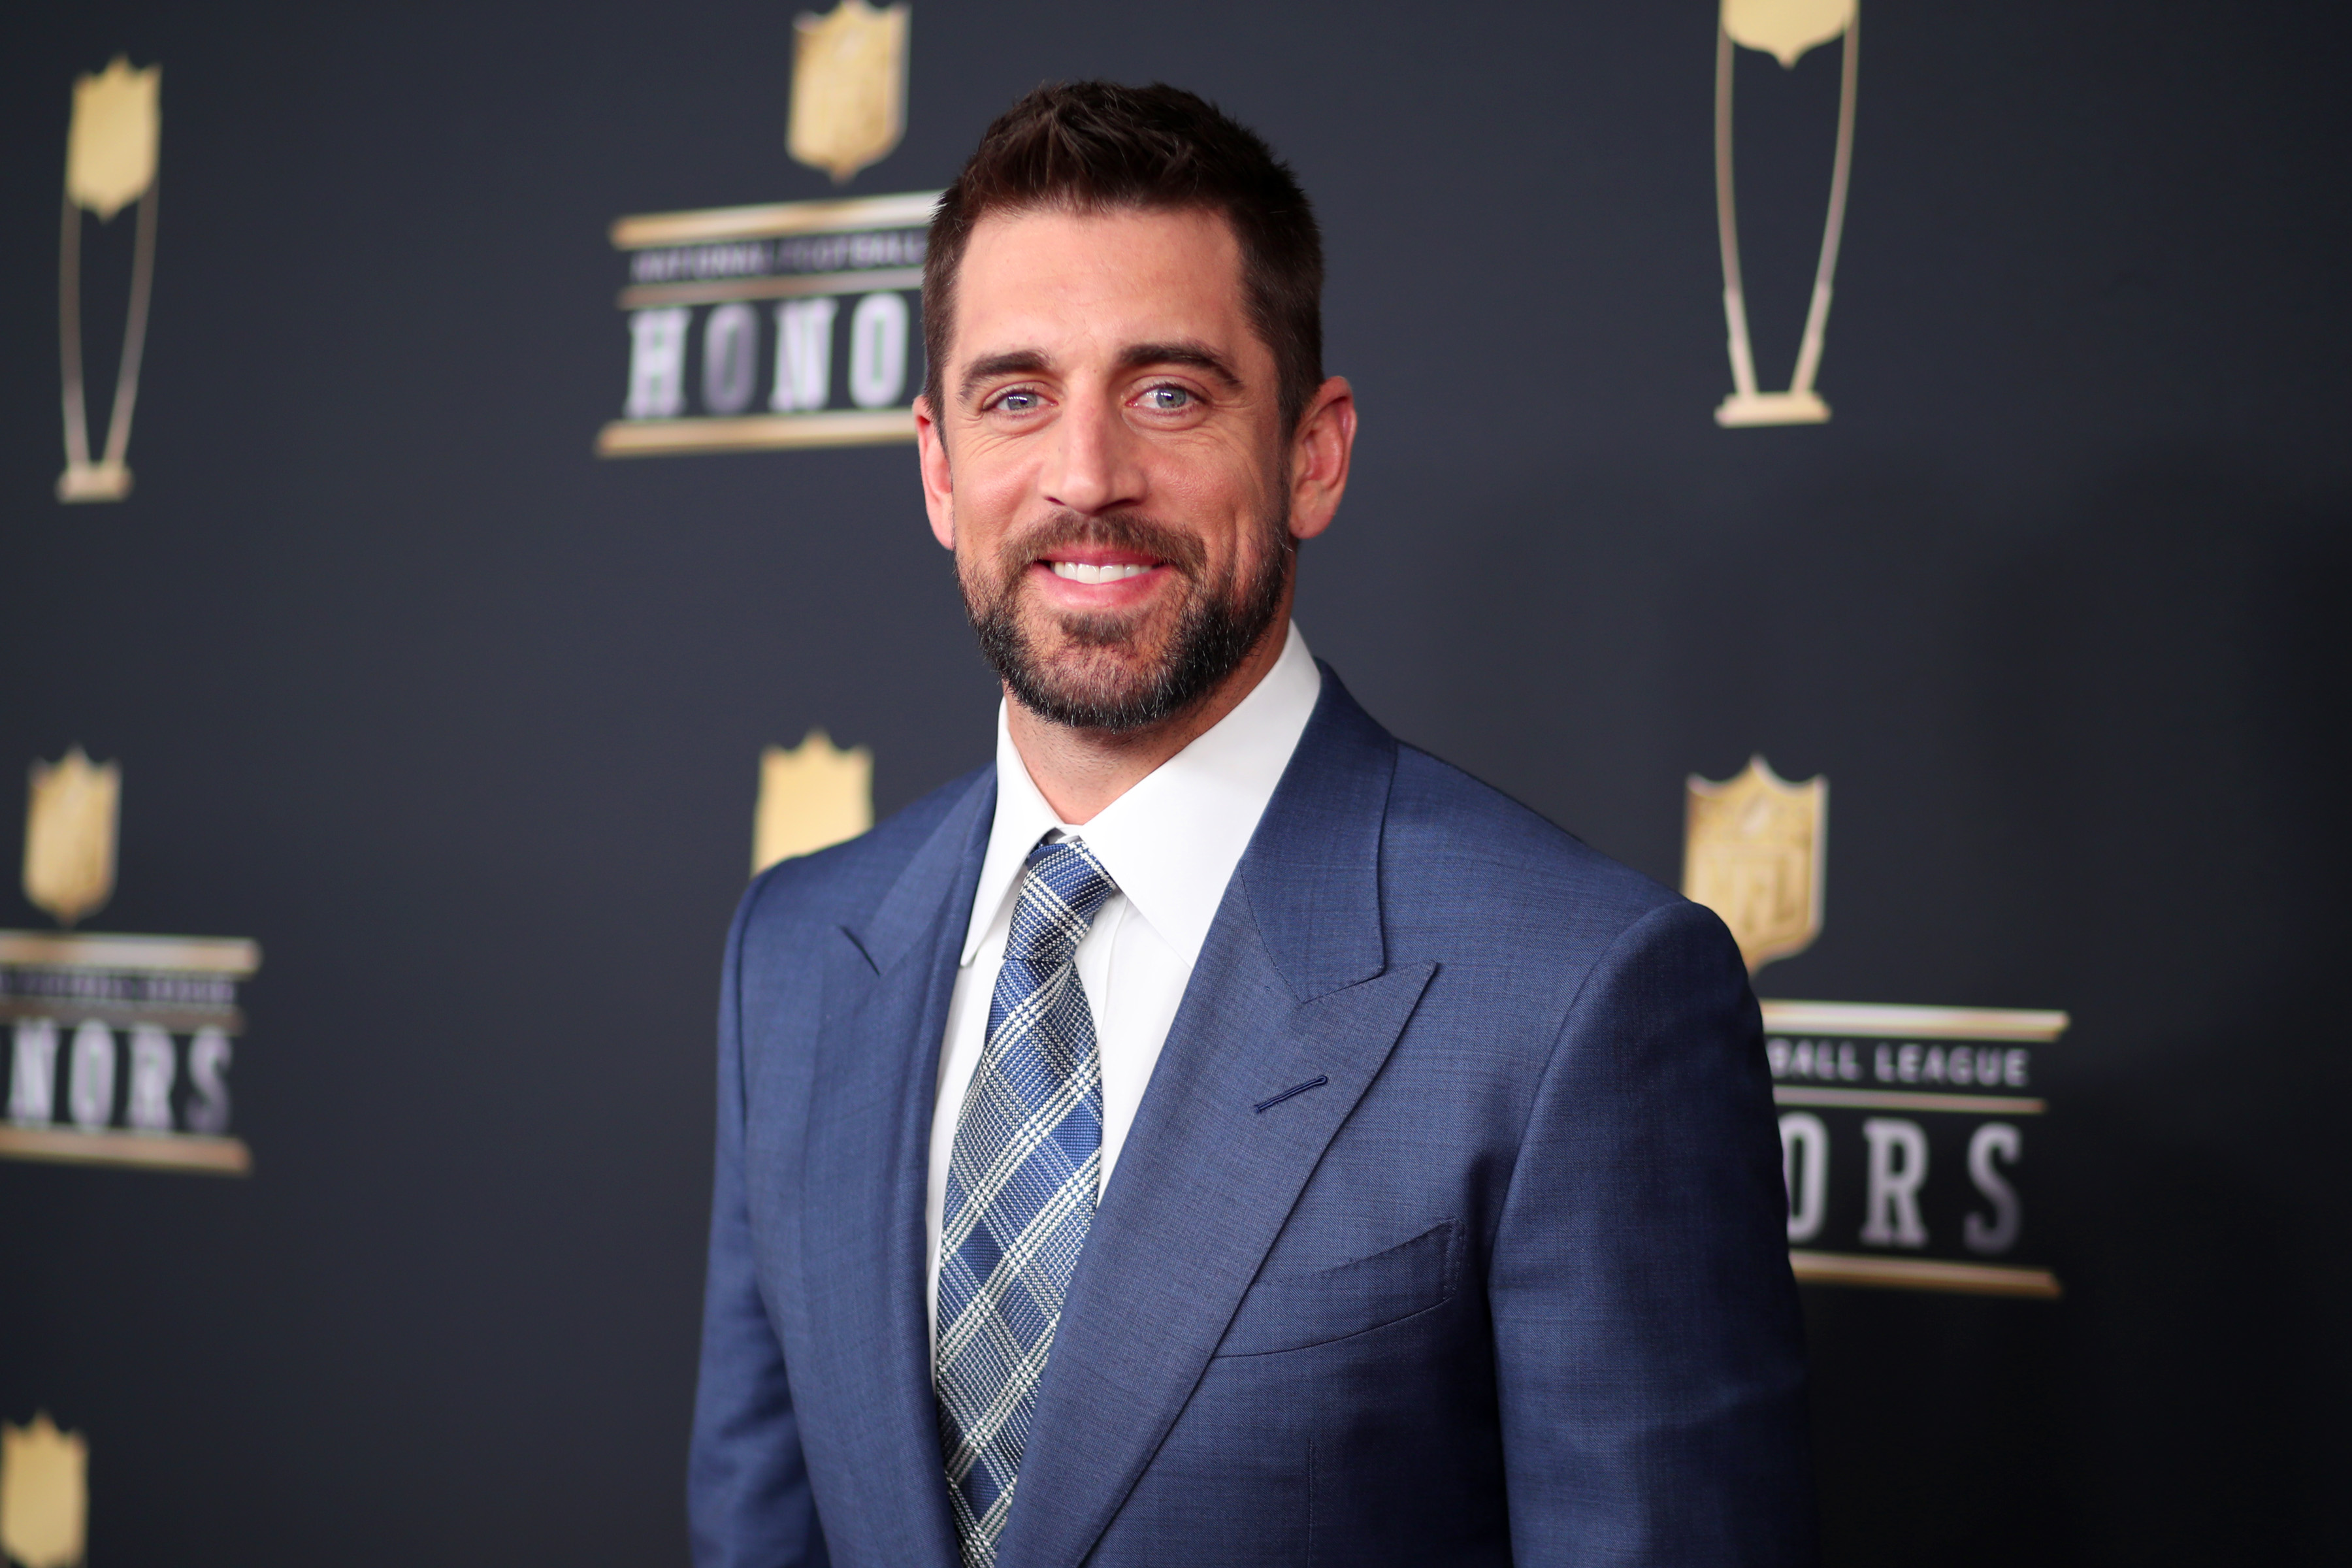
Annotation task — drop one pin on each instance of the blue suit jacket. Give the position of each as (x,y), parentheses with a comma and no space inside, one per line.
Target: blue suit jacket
(1510,1284)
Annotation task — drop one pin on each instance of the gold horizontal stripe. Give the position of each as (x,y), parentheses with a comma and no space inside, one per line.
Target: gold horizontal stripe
(773,220)
(1736,411)
(1923,1274)
(148,1151)
(157,954)
(1903,1099)
(756,433)
(1888,1020)
(720,290)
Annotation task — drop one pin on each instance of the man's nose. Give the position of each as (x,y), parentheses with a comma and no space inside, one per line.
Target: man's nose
(1093,465)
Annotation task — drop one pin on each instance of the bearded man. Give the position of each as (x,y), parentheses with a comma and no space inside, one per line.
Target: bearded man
(1217,1133)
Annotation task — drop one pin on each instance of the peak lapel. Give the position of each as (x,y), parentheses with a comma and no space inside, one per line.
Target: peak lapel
(867,1150)
(1290,987)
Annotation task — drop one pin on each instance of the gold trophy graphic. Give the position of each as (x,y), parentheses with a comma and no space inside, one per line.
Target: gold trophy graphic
(111,152)
(1785,29)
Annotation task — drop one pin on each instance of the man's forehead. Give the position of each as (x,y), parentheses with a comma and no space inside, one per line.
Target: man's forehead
(1057,279)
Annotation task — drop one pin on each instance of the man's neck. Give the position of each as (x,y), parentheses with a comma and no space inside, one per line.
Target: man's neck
(1080,771)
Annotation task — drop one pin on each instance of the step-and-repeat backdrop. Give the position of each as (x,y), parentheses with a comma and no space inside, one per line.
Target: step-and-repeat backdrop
(461,518)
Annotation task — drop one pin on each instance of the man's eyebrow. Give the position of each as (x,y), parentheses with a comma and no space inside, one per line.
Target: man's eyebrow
(1138,356)
(1195,355)
(1012,361)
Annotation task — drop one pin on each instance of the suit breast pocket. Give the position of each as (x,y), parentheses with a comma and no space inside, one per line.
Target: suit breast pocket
(1288,1311)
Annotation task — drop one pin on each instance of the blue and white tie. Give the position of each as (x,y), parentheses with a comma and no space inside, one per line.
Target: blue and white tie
(1021,1192)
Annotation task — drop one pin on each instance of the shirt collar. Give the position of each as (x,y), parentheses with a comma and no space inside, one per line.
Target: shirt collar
(1171,842)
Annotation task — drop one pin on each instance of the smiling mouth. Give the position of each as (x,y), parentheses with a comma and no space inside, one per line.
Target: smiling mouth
(1111,562)
(1106,572)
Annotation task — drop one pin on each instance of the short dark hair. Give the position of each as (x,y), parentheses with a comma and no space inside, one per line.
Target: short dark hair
(1096,147)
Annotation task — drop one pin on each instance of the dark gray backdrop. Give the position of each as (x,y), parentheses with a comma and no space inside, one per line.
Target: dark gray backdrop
(461,722)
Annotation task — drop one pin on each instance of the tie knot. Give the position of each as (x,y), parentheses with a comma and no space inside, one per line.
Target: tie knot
(1066,886)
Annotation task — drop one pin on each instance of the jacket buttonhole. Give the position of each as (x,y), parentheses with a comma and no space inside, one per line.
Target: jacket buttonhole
(1318,1081)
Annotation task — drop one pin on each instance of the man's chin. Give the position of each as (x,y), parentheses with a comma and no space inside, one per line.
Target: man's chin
(1124,670)
(1125,641)
(1091,682)
(1092,676)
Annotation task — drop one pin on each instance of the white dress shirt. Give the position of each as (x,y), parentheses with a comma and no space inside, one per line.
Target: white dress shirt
(1170,842)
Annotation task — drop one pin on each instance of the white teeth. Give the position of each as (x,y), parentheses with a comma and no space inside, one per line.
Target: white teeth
(1080,571)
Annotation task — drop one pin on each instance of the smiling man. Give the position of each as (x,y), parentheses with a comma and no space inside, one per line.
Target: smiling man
(1216,1132)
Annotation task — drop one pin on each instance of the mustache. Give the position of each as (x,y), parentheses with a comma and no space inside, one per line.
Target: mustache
(1109,530)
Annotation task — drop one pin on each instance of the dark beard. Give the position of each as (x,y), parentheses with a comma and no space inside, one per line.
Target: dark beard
(1214,631)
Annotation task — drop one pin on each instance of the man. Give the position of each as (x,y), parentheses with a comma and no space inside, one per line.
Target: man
(1217,1133)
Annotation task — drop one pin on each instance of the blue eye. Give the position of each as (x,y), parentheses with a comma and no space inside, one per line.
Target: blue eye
(1017,402)
(1167,399)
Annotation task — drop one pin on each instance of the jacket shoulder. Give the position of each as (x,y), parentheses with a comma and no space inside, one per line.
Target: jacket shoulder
(1479,862)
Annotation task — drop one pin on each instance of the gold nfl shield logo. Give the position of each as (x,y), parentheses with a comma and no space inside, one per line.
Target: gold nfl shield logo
(1785,29)
(44,1494)
(849,87)
(1753,853)
(111,144)
(70,835)
(812,796)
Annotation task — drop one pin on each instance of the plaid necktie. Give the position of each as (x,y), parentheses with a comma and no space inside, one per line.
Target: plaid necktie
(1021,1192)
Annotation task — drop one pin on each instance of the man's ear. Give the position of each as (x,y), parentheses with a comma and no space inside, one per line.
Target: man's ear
(939,480)
(1320,451)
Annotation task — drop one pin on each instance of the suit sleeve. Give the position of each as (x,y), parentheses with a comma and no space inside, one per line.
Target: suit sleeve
(1650,1353)
(747,1498)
